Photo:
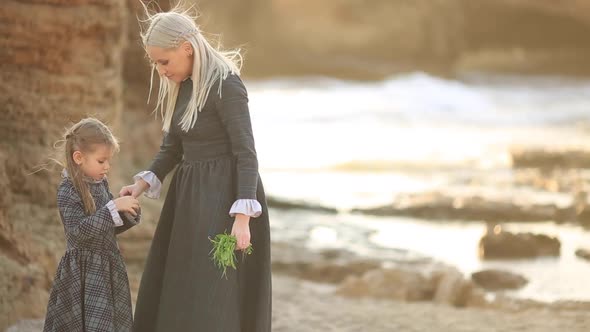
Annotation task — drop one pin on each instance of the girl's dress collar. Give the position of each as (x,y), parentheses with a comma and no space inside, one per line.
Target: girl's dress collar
(64,174)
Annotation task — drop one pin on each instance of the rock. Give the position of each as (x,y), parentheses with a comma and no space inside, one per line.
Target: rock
(23,290)
(444,37)
(325,266)
(438,206)
(506,245)
(324,271)
(392,284)
(498,279)
(135,252)
(451,287)
(583,215)
(477,298)
(583,253)
(27,325)
(135,243)
(547,159)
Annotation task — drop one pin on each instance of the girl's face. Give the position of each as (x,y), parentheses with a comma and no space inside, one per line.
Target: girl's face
(175,64)
(95,163)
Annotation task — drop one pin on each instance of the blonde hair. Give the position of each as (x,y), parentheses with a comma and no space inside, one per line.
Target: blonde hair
(84,136)
(169,30)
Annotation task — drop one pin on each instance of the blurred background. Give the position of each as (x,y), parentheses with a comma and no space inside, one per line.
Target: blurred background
(426,151)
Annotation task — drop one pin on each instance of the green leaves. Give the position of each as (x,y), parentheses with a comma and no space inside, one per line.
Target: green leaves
(223,253)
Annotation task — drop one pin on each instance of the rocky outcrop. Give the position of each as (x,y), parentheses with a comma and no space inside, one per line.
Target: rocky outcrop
(376,39)
(499,244)
(324,272)
(443,285)
(58,65)
(452,288)
(583,254)
(550,159)
(440,206)
(392,284)
(358,277)
(436,205)
(498,280)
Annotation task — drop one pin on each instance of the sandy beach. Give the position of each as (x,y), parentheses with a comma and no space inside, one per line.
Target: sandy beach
(306,306)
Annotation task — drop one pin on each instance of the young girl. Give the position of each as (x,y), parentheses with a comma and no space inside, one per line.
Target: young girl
(91,290)
(215,188)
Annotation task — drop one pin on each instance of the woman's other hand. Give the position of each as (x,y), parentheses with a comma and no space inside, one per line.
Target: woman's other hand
(241,230)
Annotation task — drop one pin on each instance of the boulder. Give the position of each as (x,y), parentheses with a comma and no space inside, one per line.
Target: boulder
(506,245)
(498,280)
(391,284)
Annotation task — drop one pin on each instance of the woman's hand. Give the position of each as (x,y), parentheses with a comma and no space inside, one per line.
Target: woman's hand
(127,204)
(135,189)
(241,230)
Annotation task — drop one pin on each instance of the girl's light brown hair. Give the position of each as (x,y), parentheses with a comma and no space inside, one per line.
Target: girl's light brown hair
(85,136)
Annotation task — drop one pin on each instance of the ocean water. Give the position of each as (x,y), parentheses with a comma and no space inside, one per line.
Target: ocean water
(349,144)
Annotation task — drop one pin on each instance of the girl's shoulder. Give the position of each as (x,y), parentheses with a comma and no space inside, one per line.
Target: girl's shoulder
(67,191)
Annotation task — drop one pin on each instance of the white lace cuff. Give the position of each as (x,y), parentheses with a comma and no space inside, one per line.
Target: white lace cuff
(249,207)
(114,213)
(155,184)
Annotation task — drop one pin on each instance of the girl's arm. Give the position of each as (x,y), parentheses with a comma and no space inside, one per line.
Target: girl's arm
(79,225)
(126,219)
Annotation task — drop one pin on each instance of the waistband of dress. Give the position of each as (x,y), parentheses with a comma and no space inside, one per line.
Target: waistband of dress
(205,151)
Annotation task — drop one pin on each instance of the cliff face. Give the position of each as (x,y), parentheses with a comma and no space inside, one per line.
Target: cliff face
(375,39)
(379,38)
(59,60)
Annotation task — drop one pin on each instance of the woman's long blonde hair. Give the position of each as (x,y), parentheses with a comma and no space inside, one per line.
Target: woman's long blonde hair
(169,30)
(85,136)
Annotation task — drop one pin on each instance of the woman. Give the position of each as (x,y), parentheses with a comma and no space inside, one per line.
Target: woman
(215,188)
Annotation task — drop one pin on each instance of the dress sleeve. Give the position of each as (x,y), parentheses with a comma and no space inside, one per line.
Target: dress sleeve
(80,226)
(249,207)
(170,155)
(126,220)
(114,213)
(155,184)
(232,108)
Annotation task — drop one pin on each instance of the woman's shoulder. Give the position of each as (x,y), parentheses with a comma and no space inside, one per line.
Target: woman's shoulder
(232,87)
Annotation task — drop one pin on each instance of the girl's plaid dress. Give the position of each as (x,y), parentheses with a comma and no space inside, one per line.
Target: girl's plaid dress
(91,290)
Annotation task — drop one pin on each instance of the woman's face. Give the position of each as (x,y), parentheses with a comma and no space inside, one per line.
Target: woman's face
(176,64)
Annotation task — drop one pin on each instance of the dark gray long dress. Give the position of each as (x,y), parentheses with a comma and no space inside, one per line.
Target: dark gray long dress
(181,289)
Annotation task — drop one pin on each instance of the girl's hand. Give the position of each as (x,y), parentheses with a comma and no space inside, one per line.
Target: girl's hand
(135,189)
(127,204)
(241,230)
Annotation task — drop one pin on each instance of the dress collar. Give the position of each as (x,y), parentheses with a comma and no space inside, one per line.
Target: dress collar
(64,174)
